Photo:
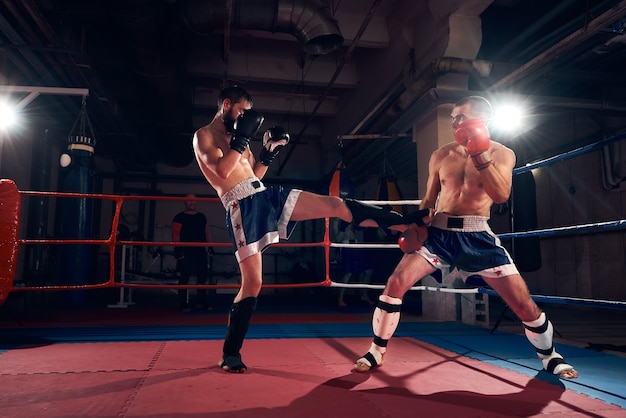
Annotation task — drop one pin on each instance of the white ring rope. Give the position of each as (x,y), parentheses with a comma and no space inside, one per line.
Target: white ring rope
(392,202)
(421,287)
(539,298)
(598,226)
(563,300)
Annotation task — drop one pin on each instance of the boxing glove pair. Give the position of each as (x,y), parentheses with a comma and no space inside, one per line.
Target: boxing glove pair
(247,125)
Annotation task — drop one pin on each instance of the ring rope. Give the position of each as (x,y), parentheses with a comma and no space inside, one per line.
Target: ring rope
(392,202)
(112,241)
(563,230)
(346,245)
(563,300)
(566,300)
(569,154)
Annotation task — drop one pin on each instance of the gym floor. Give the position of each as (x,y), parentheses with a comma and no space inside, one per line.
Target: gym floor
(149,360)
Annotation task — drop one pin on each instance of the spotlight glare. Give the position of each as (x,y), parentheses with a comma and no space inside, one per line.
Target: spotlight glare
(508,118)
(7,116)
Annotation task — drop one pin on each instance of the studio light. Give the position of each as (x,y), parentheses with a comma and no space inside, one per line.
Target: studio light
(7,116)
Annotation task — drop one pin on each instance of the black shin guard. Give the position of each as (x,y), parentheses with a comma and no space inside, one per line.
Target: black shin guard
(239,319)
(383,217)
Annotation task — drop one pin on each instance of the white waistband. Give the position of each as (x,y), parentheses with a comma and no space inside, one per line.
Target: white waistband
(467,223)
(243,189)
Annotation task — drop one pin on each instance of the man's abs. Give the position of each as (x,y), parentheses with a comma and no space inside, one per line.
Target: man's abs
(242,172)
(463,203)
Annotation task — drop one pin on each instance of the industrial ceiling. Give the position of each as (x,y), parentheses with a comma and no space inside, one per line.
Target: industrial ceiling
(348,78)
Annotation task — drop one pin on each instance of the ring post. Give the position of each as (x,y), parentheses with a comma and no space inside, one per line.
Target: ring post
(10,204)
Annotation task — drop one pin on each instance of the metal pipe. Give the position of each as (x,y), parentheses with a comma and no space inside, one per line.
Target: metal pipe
(330,84)
(309,21)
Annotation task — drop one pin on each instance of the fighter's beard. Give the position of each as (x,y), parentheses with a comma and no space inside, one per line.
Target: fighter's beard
(229,122)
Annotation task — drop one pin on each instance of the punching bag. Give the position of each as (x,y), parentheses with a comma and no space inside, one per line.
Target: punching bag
(526,251)
(340,183)
(76,177)
(388,190)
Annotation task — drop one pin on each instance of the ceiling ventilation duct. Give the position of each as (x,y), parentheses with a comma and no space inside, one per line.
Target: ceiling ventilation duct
(152,41)
(310,21)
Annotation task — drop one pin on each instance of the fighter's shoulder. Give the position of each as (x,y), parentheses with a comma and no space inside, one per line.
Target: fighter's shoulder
(446,149)
(206,136)
(497,146)
(502,153)
(205,131)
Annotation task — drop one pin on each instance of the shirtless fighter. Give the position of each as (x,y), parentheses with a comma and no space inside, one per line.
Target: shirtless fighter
(465,178)
(259,215)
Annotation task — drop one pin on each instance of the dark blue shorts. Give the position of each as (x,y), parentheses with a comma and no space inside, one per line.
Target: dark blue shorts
(466,244)
(257,216)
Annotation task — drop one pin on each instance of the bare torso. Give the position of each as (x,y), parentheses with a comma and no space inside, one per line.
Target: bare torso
(457,188)
(222,167)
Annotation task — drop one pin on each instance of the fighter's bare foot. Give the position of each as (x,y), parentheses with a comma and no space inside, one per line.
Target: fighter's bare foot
(568,374)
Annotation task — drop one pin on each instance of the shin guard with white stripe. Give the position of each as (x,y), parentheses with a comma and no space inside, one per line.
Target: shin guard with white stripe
(384,323)
(539,332)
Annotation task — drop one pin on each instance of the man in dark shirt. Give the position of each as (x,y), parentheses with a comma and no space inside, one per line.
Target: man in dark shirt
(191,226)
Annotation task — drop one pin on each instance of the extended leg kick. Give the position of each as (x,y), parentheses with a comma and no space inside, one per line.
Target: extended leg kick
(362,212)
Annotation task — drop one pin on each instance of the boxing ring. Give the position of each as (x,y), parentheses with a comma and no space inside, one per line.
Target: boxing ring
(10,242)
(440,369)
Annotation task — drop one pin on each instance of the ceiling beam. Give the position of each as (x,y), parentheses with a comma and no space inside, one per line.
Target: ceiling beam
(614,14)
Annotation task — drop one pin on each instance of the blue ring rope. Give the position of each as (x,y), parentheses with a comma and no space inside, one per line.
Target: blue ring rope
(564,300)
(598,226)
(569,154)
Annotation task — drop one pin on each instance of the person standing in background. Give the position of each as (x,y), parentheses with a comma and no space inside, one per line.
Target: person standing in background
(355,261)
(191,226)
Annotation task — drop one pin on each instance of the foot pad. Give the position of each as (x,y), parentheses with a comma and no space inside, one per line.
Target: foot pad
(556,365)
(368,362)
(233,364)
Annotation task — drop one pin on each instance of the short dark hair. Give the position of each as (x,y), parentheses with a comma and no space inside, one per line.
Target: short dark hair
(479,105)
(235,94)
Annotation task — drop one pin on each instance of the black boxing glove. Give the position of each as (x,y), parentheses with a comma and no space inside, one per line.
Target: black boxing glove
(274,139)
(244,128)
